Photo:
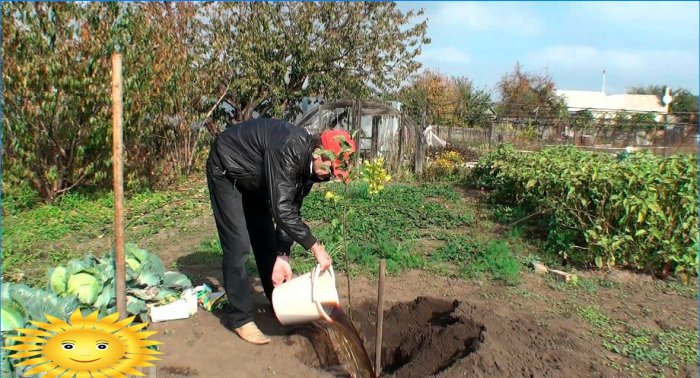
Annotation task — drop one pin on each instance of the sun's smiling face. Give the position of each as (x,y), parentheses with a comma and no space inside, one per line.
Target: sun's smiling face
(83,349)
(87,346)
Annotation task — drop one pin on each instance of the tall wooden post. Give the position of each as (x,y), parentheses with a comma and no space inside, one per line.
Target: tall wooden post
(117,164)
(380,319)
(401,136)
(420,148)
(358,129)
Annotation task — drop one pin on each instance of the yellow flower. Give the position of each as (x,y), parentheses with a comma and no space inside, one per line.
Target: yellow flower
(330,195)
(373,172)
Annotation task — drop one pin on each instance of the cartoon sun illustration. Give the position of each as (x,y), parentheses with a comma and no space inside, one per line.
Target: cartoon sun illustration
(87,347)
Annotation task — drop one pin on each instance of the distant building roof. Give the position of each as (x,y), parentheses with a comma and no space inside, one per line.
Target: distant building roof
(582,100)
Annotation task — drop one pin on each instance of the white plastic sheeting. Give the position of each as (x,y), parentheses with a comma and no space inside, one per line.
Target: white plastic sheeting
(432,139)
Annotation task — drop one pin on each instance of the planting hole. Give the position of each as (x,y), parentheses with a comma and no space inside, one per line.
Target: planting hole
(421,338)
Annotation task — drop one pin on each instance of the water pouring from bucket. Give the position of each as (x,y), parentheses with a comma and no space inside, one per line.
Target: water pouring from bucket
(313,297)
(307,298)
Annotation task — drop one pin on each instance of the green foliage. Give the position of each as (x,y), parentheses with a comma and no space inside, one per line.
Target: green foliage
(273,54)
(594,317)
(46,234)
(473,104)
(497,259)
(476,259)
(210,247)
(485,175)
(657,349)
(399,211)
(84,286)
(22,304)
(266,56)
(19,198)
(684,101)
(680,343)
(444,166)
(618,127)
(528,95)
(399,255)
(640,212)
(91,281)
(448,101)
(55,109)
(584,121)
(56,93)
(385,225)
(459,250)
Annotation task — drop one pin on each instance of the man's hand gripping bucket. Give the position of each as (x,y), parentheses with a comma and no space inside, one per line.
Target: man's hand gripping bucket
(306,298)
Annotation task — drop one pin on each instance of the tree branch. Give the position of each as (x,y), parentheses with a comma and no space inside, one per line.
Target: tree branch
(211,129)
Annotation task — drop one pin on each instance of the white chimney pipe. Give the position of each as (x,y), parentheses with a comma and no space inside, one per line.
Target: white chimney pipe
(603,90)
(667,99)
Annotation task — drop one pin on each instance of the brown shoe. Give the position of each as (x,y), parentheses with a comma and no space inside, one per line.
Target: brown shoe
(250,333)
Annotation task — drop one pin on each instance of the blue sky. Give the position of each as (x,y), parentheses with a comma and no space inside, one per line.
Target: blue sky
(637,43)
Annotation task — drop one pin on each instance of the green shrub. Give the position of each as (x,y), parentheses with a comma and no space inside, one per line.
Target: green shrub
(639,212)
(444,166)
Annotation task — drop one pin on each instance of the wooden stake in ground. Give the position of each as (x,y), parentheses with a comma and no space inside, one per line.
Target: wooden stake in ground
(117,164)
(380,318)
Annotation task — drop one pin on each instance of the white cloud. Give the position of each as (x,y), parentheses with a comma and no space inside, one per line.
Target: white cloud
(628,67)
(672,21)
(632,60)
(566,55)
(476,16)
(444,55)
(662,13)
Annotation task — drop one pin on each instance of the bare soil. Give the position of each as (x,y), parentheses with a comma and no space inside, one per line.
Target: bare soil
(433,326)
(424,337)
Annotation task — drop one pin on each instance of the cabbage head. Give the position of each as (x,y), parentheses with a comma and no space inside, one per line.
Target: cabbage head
(57,280)
(12,317)
(84,286)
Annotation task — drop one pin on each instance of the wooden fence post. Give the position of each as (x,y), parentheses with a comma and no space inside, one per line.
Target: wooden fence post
(420,147)
(118,169)
(358,129)
(380,319)
(401,136)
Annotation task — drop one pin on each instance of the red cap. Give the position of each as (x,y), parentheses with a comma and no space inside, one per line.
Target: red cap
(330,139)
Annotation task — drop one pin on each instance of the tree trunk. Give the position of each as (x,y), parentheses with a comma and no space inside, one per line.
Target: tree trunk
(375,137)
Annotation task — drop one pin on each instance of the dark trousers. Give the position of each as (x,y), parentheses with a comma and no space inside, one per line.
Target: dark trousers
(243,220)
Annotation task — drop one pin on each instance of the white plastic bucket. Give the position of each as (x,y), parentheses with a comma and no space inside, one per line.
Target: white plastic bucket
(306,298)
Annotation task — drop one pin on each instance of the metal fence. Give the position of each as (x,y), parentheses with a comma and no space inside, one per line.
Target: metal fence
(394,132)
(606,131)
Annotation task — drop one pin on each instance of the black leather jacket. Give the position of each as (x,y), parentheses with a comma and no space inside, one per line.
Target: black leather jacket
(273,157)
